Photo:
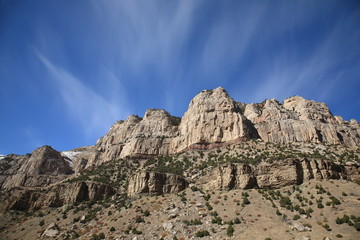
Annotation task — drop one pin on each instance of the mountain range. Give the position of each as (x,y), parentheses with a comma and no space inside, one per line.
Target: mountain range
(218,147)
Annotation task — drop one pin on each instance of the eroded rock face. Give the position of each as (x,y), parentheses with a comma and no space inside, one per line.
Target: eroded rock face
(43,167)
(275,175)
(213,118)
(59,195)
(301,120)
(136,137)
(154,183)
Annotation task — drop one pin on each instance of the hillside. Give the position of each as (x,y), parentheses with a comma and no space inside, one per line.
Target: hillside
(224,170)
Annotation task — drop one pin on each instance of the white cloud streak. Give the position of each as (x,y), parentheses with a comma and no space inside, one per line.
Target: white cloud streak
(87,107)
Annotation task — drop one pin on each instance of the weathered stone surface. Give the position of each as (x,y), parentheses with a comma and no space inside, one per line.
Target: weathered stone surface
(278,174)
(154,183)
(275,175)
(136,137)
(58,195)
(301,120)
(230,176)
(43,167)
(51,231)
(212,117)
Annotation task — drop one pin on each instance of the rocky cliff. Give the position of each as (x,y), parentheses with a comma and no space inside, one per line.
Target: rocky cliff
(154,183)
(41,168)
(57,195)
(213,119)
(301,120)
(277,174)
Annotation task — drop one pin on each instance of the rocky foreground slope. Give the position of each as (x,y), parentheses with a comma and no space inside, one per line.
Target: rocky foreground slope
(218,145)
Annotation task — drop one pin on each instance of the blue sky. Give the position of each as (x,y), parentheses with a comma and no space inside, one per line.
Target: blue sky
(69,69)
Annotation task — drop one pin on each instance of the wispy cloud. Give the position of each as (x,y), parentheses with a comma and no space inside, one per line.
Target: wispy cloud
(316,66)
(33,139)
(92,111)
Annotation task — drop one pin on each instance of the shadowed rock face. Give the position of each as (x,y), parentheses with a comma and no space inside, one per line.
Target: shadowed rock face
(58,195)
(154,183)
(41,168)
(277,174)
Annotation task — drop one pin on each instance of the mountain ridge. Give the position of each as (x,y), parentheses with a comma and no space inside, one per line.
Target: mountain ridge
(270,152)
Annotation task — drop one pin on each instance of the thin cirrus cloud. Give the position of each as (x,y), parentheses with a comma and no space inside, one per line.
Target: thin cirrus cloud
(316,73)
(104,60)
(87,108)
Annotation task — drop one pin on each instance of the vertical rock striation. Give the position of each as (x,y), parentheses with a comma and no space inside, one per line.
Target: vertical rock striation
(276,174)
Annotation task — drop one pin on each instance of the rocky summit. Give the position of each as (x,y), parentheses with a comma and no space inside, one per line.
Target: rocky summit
(224,170)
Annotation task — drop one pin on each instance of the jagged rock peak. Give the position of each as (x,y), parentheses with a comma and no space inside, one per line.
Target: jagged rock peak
(213,100)
(309,109)
(43,166)
(152,113)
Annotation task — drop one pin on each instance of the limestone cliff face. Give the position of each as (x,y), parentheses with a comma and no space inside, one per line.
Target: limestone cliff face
(151,135)
(212,117)
(277,174)
(58,195)
(43,167)
(154,183)
(301,120)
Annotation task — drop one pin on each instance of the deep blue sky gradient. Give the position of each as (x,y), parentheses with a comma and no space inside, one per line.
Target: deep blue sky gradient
(69,69)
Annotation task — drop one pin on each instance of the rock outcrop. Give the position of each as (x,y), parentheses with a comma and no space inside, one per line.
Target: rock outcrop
(136,137)
(41,168)
(301,120)
(213,119)
(58,195)
(275,175)
(154,183)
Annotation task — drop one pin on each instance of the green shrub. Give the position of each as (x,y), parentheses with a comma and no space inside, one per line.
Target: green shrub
(192,222)
(237,220)
(320,205)
(230,231)
(202,233)
(112,229)
(327,227)
(246,201)
(285,201)
(296,217)
(357,226)
(139,219)
(217,220)
(146,213)
(137,232)
(339,220)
